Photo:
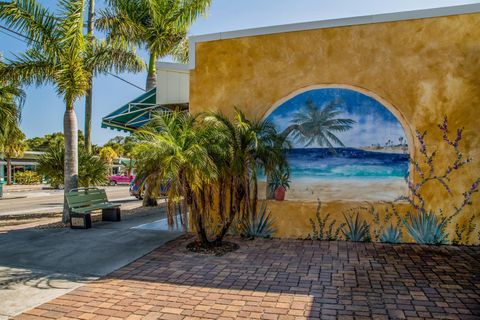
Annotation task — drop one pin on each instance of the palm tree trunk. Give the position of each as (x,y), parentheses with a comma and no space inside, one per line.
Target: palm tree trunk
(9,170)
(149,199)
(88,119)
(255,194)
(129,168)
(70,130)
(152,73)
(88,97)
(199,224)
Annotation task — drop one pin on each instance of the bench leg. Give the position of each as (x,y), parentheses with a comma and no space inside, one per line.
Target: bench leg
(111,214)
(80,221)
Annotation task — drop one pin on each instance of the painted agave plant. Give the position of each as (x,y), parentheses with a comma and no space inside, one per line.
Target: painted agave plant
(261,225)
(356,229)
(391,234)
(426,228)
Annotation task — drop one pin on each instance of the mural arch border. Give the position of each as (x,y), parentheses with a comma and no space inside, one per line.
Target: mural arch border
(407,129)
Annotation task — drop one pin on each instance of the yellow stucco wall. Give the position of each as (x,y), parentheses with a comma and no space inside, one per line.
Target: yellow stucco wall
(420,69)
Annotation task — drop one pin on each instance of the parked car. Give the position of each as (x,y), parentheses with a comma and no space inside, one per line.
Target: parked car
(137,188)
(117,179)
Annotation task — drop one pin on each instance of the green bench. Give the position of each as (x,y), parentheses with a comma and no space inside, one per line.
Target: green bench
(83,201)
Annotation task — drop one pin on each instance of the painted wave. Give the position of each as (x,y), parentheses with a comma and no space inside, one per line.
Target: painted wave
(346,163)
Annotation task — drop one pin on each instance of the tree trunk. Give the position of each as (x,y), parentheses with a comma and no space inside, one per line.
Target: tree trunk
(9,170)
(152,74)
(255,195)
(70,131)
(149,199)
(231,216)
(88,120)
(88,97)
(199,225)
(129,168)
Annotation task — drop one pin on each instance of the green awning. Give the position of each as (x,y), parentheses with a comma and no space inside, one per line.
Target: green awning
(137,112)
(133,114)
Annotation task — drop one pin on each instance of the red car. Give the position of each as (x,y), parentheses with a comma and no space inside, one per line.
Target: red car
(114,180)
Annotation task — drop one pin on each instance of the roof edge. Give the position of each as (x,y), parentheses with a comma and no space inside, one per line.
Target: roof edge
(331,23)
(172,66)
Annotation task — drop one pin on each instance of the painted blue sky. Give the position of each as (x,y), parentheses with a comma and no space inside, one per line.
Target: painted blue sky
(43,111)
(375,124)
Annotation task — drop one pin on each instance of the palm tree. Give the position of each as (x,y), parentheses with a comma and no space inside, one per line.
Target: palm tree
(60,54)
(206,158)
(107,154)
(248,146)
(318,125)
(89,93)
(91,170)
(12,98)
(159,25)
(12,146)
(173,150)
(130,151)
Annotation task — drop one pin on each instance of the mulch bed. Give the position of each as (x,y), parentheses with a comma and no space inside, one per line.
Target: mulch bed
(218,250)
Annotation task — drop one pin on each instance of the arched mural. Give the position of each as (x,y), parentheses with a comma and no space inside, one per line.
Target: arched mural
(345,145)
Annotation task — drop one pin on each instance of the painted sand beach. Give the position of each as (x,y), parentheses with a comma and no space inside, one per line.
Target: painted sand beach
(345,174)
(346,190)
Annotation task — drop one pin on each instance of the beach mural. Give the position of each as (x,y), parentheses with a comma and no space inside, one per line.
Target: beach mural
(345,145)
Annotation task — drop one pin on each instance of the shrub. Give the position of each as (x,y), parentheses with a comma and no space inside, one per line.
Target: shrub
(355,229)
(91,170)
(27,177)
(426,228)
(261,225)
(391,234)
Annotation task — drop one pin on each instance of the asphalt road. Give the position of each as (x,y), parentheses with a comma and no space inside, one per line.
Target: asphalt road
(51,201)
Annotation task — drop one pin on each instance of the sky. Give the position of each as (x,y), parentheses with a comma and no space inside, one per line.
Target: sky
(374,124)
(43,110)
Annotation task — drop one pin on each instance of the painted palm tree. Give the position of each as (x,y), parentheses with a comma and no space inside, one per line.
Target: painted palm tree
(60,54)
(318,125)
(160,26)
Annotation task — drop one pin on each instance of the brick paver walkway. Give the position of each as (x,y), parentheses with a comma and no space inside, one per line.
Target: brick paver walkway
(284,279)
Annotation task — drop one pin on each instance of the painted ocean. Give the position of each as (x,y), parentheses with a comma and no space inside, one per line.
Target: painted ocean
(345,163)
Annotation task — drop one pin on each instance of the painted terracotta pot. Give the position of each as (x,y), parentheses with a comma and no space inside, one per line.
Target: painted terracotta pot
(280,193)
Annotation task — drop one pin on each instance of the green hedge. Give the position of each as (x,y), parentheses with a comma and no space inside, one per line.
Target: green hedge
(27,177)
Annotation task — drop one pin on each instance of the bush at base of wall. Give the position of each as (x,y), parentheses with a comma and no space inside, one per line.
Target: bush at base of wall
(27,177)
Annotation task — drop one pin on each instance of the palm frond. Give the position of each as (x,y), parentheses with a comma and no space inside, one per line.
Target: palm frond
(31,67)
(30,18)
(113,56)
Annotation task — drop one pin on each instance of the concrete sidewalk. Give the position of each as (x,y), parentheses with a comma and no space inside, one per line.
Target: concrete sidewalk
(21,187)
(37,265)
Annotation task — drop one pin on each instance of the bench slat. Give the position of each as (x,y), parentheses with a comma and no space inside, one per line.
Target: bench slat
(86,200)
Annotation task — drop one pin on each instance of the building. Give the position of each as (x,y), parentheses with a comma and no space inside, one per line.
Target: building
(393,75)
(29,161)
